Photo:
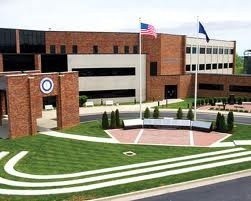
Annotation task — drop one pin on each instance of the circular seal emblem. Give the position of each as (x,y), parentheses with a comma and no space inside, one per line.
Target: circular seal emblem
(46,85)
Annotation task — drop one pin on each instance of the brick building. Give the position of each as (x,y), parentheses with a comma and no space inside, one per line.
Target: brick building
(108,63)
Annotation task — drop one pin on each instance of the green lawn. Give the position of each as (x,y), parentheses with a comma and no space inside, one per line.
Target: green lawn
(240,132)
(50,155)
(183,104)
(92,128)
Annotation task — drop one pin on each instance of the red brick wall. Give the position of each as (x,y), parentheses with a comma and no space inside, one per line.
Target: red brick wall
(86,40)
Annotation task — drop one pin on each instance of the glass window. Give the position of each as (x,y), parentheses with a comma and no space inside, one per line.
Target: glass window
(32,41)
(95,49)
(135,49)
(188,49)
(220,66)
(153,68)
(194,67)
(194,50)
(115,49)
(54,63)
(231,51)
(205,86)
(202,50)
(52,49)
(225,65)
(109,93)
(126,49)
(74,49)
(239,88)
(225,51)
(18,62)
(202,67)
(230,65)
(7,41)
(221,51)
(188,67)
(209,50)
(62,49)
(215,50)
(214,66)
(208,66)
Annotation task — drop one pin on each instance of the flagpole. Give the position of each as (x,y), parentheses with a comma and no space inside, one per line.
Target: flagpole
(140,78)
(196,72)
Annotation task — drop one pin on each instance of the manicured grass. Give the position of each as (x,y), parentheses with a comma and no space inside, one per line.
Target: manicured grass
(92,128)
(183,104)
(240,132)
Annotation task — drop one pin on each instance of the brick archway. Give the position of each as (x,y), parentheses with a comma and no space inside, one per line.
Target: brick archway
(24,100)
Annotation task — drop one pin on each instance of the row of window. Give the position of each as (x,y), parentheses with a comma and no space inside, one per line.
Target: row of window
(209,50)
(7,41)
(209,66)
(94,72)
(32,41)
(220,87)
(120,93)
(95,49)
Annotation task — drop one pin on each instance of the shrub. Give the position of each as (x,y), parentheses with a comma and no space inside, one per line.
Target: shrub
(239,100)
(105,121)
(202,102)
(179,114)
(230,121)
(117,119)
(224,101)
(217,122)
(245,99)
(156,113)
(113,120)
(246,111)
(198,102)
(206,101)
(82,100)
(249,99)
(211,102)
(147,113)
(215,100)
(223,126)
(190,114)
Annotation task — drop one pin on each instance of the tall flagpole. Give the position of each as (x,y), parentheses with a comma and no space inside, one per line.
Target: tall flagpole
(140,84)
(196,72)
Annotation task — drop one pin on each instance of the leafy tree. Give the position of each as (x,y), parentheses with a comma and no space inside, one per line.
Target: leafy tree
(113,120)
(117,118)
(190,114)
(147,113)
(82,100)
(230,121)
(156,113)
(179,114)
(239,65)
(105,121)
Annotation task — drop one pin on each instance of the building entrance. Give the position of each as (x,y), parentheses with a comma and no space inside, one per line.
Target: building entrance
(170,91)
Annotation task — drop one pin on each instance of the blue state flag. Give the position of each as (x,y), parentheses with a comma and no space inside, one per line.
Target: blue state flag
(203,31)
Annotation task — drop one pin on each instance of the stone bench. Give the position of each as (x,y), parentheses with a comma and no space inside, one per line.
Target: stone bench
(109,102)
(89,104)
(48,107)
(133,123)
(246,103)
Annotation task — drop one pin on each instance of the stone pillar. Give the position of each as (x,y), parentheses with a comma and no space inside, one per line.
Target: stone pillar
(1,62)
(17,41)
(38,64)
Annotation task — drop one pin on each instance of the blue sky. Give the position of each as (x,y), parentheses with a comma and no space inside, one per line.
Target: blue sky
(227,20)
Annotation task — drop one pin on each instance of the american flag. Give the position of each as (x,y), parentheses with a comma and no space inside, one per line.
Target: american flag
(147,29)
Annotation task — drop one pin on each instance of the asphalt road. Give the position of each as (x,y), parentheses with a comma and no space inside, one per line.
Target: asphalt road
(200,116)
(234,190)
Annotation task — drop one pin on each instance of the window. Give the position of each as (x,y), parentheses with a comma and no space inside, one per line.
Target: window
(32,41)
(231,51)
(225,65)
(208,66)
(202,50)
(202,67)
(221,51)
(218,87)
(52,49)
(215,50)
(188,49)
(238,88)
(7,41)
(135,49)
(62,49)
(126,49)
(194,67)
(194,50)
(225,51)
(115,49)
(74,49)
(153,68)
(219,66)
(230,65)
(18,62)
(109,93)
(95,49)
(54,63)
(95,72)
(214,66)
(209,50)
(188,67)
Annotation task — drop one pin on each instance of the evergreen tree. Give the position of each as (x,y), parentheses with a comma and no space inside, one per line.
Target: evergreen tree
(223,126)
(230,121)
(105,121)
(113,120)
(147,113)
(190,114)
(179,113)
(117,118)
(156,113)
(217,122)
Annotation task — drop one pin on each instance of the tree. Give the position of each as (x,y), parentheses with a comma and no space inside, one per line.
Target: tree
(82,100)
(179,114)
(105,121)
(117,118)
(217,122)
(147,113)
(156,113)
(223,126)
(190,114)
(230,121)
(113,120)
(239,65)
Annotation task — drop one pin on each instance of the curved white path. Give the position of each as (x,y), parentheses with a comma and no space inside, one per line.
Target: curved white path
(79,137)
(10,165)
